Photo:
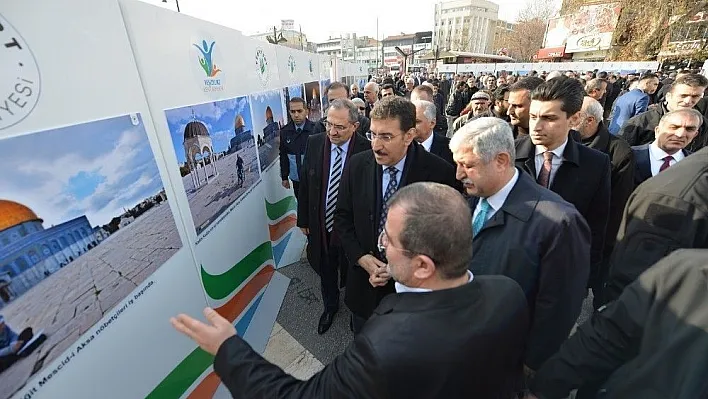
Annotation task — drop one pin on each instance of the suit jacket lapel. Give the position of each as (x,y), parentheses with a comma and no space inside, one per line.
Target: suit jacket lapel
(411,159)
(643,164)
(565,180)
(526,153)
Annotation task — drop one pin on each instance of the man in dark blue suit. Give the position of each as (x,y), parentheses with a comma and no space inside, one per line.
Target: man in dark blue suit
(523,231)
(633,103)
(676,130)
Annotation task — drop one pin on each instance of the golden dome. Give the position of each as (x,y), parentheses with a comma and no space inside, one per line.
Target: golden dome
(12,214)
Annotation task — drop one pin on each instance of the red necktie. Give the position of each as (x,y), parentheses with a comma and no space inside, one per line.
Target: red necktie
(544,177)
(667,162)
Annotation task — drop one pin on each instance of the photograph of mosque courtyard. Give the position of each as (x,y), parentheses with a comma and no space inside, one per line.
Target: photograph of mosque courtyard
(217,155)
(81,226)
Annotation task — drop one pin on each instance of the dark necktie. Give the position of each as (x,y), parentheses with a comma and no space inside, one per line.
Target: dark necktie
(545,176)
(390,190)
(298,130)
(333,190)
(667,162)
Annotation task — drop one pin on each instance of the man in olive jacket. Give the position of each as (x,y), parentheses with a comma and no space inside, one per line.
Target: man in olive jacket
(665,213)
(650,343)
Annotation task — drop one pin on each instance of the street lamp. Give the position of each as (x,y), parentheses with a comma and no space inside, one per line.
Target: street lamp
(176,2)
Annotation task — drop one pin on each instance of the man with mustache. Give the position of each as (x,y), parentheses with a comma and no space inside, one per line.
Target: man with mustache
(675,131)
(519,103)
(369,181)
(555,160)
(523,231)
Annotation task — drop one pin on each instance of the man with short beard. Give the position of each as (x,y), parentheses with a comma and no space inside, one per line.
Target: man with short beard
(519,104)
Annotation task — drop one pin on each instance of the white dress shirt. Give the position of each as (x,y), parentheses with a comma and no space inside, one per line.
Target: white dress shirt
(386,177)
(400,288)
(333,156)
(657,155)
(428,142)
(497,199)
(555,162)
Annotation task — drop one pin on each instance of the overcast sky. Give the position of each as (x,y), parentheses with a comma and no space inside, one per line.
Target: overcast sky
(321,18)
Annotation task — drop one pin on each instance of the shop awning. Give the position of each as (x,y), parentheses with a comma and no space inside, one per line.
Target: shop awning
(550,53)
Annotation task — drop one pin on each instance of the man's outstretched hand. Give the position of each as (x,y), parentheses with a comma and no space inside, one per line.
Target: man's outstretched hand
(208,336)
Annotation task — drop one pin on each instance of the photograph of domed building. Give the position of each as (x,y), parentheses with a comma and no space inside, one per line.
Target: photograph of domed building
(267,110)
(82,225)
(217,155)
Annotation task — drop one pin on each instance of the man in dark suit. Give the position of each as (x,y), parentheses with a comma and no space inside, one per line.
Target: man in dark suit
(425,135)
(325,159)
(663,214)
(577,173)
(368,183)
(340,91)
(673,134)
(445,334)
(594,134)
(427,93)
(293,138)
(525,232)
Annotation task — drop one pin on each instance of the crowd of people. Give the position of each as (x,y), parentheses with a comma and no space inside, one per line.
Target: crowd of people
(469,220)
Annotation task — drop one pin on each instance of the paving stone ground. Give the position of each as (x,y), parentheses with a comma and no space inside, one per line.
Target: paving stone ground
(210,200)
(69,302)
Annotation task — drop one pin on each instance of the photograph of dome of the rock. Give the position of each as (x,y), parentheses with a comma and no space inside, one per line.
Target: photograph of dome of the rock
(84,221)
(267,121)
(217,155)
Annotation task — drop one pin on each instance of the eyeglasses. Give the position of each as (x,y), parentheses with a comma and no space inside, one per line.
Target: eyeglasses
(385,137)
(331,126)
(384,243)
(362,108)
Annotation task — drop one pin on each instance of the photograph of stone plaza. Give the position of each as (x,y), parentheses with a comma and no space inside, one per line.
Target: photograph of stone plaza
(217,156)
(267,120)
(81,226)
(324,84)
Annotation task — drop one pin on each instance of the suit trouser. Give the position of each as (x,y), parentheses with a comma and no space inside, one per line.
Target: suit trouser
(332,266)
(296,189)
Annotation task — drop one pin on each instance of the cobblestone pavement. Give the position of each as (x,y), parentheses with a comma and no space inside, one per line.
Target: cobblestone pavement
(66,304)
(210,200)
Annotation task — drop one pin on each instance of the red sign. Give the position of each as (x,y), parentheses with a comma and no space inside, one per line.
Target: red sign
(551,52)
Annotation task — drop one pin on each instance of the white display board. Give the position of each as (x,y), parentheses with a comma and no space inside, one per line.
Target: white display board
(103,259)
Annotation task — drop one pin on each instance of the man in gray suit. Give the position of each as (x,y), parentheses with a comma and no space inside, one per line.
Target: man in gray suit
(523,231)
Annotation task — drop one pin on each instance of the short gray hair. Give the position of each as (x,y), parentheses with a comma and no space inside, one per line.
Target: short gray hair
(594,84)
(437,224)
(593,108)
(487,137)
(346,104)
(429,109)
(373,85)
(358,102)
(686,111)
(410,80)
(553,74)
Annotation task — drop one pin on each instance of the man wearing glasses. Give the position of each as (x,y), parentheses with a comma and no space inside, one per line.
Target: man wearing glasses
(326,157)
(369,181)
(444,334)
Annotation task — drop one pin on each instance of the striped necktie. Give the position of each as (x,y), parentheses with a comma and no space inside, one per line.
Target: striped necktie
(332,190)
(390,190)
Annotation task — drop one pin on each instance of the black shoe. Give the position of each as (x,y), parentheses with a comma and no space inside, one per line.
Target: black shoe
(325,321)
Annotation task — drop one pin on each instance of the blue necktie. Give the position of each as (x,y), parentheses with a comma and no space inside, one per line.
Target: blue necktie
(481,217)
(390,190)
